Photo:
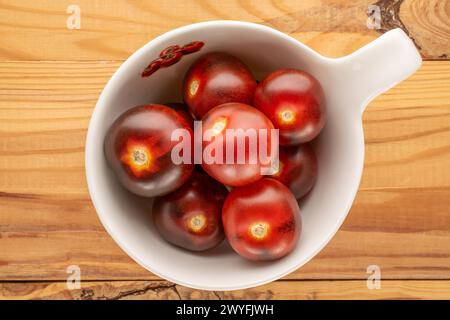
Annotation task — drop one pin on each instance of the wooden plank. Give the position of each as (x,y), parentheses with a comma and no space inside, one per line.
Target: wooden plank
(400,219)
(293,290)
(36,30)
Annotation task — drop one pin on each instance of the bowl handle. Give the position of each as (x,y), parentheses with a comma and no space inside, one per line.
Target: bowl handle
(378,66)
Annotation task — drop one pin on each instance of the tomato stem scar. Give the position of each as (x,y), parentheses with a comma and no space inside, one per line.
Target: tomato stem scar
(197,223)
(259,230)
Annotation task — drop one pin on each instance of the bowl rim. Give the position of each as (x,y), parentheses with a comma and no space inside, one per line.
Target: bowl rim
(93,132)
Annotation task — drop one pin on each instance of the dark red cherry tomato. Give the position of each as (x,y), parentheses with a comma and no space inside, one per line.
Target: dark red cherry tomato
(297,169)
(138,148)
(182,109)
(262,220)
(294,101)
(190,217)
(214,79)
(231,124)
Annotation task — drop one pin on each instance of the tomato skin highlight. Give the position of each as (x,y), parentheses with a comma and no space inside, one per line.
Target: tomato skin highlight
(235,116)
(262,220)
(298,169)
(295,102)
(138,148)
(190,217)
(217,78)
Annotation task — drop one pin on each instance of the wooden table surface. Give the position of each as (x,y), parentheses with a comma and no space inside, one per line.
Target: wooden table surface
(50,80)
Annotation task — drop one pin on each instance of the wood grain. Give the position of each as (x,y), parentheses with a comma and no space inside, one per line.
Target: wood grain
(400,219)
(146,290)
(36,30)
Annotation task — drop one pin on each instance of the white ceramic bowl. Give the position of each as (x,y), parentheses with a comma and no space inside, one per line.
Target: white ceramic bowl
(349,84)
